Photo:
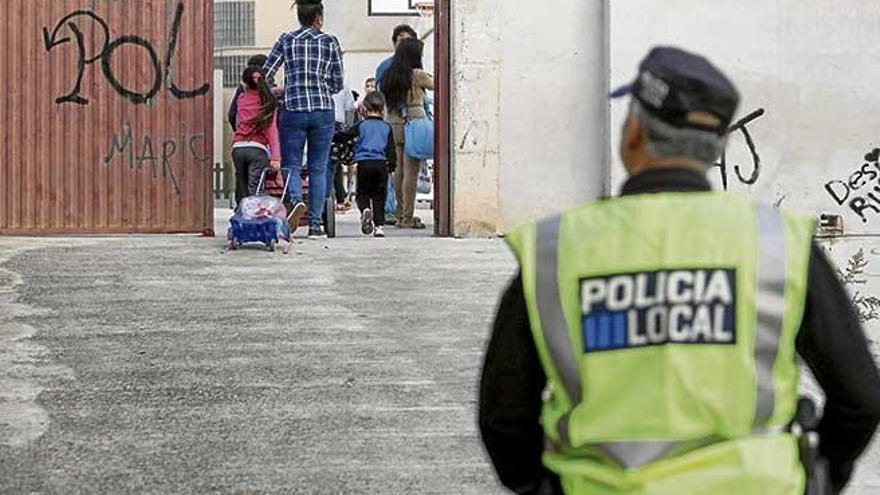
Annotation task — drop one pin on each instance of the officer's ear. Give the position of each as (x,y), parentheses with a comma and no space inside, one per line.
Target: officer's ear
(633,137)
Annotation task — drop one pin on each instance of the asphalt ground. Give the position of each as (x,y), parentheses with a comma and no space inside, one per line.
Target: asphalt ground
(160,364)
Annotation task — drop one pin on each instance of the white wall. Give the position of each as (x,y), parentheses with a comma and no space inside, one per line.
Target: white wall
(529,110)
(366,40)
(813,66)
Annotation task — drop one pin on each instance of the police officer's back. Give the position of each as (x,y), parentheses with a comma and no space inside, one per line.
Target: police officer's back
(649,344)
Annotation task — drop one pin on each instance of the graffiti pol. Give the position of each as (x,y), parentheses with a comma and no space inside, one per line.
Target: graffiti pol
(105,55)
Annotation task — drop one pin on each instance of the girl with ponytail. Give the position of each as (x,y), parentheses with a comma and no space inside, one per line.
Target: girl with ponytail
(255,145)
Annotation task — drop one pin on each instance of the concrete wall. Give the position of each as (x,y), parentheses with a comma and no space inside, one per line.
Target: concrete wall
(365,40)
(812,66)
(529,112)
(273,17)
(527,101)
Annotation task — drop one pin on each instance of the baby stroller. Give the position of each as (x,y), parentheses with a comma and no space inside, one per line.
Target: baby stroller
(262,218)
(329,216)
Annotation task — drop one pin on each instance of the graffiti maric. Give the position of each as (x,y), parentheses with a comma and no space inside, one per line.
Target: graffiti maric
(861,189)
(107,50)
(160,154)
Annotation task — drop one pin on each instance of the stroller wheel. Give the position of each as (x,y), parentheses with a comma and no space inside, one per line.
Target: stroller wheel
(235,245)
(272,244)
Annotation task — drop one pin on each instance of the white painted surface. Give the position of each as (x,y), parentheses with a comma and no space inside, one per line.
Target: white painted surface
(390,7)
(529,113)
(475,140)
(219,117)
(553,110)
(273,17)
(366,40)
(813,66)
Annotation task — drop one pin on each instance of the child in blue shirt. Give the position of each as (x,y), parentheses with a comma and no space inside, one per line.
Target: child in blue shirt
(376,157)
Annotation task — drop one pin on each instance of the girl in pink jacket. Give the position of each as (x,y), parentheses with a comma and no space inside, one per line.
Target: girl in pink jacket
(255,145)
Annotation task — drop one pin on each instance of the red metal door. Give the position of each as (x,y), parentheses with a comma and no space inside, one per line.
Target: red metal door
(443,225)
(106,116)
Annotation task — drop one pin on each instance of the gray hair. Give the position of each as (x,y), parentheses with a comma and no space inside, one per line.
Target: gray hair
(666,140)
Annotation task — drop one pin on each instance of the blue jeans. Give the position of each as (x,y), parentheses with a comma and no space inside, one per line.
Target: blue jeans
(297,129)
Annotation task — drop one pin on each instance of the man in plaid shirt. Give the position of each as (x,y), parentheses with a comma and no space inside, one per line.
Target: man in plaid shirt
(313,73)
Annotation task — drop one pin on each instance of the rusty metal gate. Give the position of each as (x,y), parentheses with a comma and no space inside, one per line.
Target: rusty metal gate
(106,116)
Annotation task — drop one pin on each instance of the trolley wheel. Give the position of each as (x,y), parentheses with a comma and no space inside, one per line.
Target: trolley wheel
(236,245)
(272,244)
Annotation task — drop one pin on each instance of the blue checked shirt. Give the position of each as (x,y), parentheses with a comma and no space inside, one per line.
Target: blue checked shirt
(313,70)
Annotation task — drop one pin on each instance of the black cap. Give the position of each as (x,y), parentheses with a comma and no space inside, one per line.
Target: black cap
(682,88)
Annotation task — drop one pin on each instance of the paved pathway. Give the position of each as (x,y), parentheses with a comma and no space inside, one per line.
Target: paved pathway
(159,365)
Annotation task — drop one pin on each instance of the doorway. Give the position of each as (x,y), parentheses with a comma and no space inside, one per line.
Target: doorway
(432,21)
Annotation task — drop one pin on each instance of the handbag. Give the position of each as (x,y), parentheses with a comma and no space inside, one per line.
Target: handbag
(419,138)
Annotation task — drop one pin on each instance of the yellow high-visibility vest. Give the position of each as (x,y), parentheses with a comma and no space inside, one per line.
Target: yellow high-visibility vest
(666,324)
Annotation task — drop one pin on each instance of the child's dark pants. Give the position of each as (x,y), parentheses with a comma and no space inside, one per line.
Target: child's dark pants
(372,188)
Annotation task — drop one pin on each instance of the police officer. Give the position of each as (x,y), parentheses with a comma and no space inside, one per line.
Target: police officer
(648,345)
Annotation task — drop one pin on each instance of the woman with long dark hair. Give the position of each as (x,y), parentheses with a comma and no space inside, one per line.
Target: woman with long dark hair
(255,145)
(404,85)
(313,73)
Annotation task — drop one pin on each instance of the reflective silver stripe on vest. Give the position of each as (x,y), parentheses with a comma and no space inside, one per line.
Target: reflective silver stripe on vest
(636,454)
(550,311)
(770,301)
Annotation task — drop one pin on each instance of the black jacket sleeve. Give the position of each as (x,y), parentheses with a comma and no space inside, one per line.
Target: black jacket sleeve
(510,399)
(831,342)
(233,108)
(833,345)
(391,151)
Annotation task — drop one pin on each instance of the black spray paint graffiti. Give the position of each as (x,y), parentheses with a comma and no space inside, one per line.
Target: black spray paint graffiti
(105,55)
(867,307)
(850,190)
(742,126)
(157,152)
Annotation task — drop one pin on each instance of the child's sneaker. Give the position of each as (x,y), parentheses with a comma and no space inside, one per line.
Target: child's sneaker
(367,222)
(380,232)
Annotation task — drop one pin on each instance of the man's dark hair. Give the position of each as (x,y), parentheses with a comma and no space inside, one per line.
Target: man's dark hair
(374,102)
(257,61)
(308,11)
(403,28)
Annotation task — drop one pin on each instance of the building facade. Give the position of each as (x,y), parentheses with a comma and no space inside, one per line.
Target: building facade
(243,28)
(534,132)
